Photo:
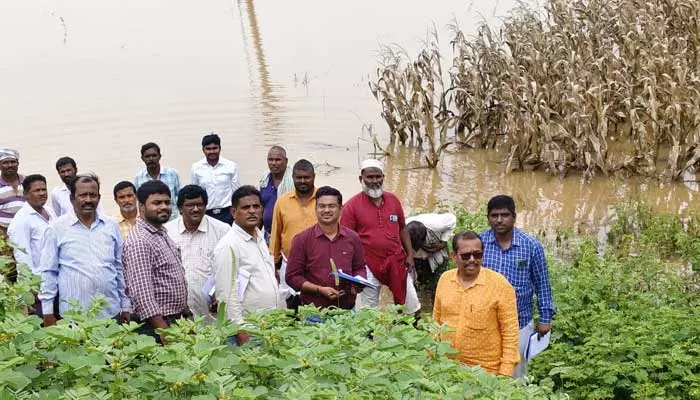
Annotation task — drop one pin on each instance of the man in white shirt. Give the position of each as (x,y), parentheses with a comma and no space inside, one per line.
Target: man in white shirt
(196,234)
(218,176)
(244,269)
(60,195)
(27,228)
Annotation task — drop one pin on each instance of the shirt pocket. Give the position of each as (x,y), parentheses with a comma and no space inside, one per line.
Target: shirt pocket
(477,317)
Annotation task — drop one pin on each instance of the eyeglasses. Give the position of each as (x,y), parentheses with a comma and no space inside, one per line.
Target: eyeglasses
(468,255)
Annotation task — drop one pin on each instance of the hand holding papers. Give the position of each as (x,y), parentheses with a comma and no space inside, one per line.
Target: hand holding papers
(536,345)
(358,280)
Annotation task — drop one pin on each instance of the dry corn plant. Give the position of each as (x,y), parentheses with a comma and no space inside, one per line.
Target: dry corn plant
(597,86)
(414,98)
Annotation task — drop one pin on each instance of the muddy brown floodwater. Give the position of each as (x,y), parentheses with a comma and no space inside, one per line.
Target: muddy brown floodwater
(95,80)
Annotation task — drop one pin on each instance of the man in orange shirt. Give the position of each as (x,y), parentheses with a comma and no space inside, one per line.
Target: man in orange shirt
(294,211)
(479,305)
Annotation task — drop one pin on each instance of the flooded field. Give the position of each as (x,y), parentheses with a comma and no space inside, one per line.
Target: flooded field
(96,80)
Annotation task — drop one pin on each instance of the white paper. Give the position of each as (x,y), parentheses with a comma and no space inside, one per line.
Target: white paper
(243,279)
(536,346)
(285,290)
(208,289)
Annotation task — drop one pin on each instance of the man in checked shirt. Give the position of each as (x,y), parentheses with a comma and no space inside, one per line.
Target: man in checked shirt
(155,277)
(520,258)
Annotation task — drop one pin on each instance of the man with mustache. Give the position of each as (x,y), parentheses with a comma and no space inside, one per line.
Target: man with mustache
(125,197)
(196,234)
(218,176)
(27,228)
(294,212)
(82,257)
(520,258)
(11,198)
(26,231)
(479,305)
(378,217)
(150,155)
(244,269)
(152,264)
(320,248)
(274,183)
(60,195)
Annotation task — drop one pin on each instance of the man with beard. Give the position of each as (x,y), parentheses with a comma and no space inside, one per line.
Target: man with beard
(152,264)
(520,258)
(26,231)
(244,271)
(378,217)
(11,198)
(125,197)
(317,249)
(274,183)
(479,305)
(150,155)
(60,195)
(218,176)
(196,234)
(82,257)
(294,212)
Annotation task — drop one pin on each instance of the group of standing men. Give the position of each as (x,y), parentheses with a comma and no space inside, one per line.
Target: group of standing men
(277,245)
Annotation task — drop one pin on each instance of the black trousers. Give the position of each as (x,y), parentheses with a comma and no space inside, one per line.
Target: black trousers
(222,214)
(147,329)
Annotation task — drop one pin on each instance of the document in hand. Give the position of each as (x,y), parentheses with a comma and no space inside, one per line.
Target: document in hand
(208,289)
(536,345)
(356,279)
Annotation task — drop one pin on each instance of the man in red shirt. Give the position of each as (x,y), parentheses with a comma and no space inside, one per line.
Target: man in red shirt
(378,217)
(321,248)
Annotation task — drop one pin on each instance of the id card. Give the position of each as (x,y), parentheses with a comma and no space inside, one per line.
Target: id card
(394,218)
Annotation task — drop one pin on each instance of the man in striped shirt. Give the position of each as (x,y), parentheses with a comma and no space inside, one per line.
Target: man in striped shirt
(520,258)
(11,197)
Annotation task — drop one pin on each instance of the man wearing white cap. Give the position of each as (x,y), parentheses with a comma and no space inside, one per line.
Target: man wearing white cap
(11,191)
(378,217)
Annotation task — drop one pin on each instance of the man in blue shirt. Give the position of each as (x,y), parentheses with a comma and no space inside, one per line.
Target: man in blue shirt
(150,155)
(520,258)
(81,257)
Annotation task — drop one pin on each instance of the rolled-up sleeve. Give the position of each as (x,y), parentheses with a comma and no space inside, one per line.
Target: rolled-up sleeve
(225,281)
(138,275)
(508,324)
(296,263)
(48,269)
(543,288)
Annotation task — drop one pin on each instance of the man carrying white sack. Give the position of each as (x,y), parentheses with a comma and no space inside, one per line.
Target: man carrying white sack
(429,234)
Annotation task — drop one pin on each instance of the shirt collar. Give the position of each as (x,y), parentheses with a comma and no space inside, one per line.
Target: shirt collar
(245,235)
(4,183)
(518,240)
(73,219)
(203,225)
(318,232)
(293,194)
(147,226)
(480,279)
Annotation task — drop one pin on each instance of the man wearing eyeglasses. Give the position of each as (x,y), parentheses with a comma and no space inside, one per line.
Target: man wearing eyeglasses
(520,258)
(479,305)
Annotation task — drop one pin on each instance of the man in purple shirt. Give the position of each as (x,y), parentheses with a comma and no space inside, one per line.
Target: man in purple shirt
(321,248)
(274,183)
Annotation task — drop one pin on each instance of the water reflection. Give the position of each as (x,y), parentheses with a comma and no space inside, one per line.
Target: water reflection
(265,98)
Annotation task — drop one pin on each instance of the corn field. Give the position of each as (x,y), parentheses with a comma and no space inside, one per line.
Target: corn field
(597,86)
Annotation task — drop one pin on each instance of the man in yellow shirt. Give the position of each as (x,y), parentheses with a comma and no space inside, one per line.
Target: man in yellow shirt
(294,212)
(479,305)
